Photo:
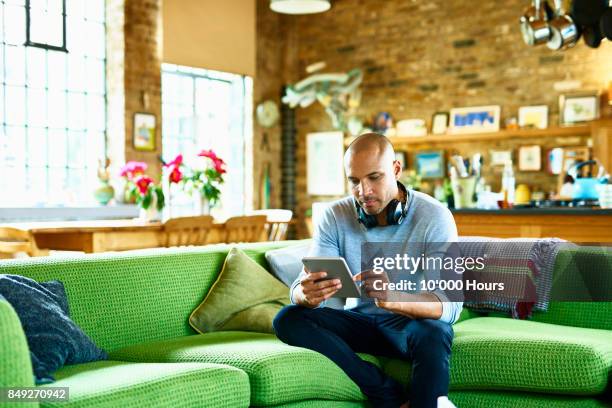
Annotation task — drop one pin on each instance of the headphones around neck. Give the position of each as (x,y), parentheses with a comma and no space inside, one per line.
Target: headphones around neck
(394,217)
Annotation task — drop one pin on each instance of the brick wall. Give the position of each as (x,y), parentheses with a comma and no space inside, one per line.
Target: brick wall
(133,77)
(420,57)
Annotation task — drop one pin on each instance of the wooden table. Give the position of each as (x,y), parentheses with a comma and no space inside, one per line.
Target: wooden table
(101,235)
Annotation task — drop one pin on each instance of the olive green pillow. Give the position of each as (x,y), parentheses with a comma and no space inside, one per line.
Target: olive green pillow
(244,297)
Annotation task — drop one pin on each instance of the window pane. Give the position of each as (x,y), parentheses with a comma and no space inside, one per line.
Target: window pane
(95,40)
(76,149)
(57,109)
(37,67)
(76,31)
(36,186)
(37,147)
(15,105)
(96,118)
(76,73)
(58,185)
(15,65)
(37,107)
(95,75)
(14,25)
(95,11)
(12,146)
(75,9)
(76,110)
(57,70)
(46,27)
(58,146)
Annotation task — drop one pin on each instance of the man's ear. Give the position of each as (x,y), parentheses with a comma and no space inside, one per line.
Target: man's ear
(397,169)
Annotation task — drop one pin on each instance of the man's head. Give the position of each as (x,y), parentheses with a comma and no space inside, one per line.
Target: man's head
(372,171)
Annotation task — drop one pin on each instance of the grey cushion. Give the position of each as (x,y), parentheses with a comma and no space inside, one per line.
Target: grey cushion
(286,265)
(53,338)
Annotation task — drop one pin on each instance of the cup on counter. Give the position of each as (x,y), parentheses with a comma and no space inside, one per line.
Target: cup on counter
(463,191)
(605,195)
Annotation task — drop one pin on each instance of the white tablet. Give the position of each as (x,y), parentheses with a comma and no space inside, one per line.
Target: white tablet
(336,268)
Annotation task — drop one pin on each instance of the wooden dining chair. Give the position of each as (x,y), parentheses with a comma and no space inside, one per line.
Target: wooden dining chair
(277,222)
(246,228)
(187,230)
(14,241)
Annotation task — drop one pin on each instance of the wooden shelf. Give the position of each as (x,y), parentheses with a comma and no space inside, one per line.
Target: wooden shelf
(567,131)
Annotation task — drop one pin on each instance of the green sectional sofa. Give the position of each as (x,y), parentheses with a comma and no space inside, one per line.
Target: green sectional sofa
(136,306)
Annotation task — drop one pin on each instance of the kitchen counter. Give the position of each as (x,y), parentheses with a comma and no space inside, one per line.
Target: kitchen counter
(572,224)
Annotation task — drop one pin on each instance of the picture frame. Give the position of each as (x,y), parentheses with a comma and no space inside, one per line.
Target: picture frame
(324,167)
(401,157)
(530,158)
(475,119)
(580,107)
(144,131)
(439,123)
(500,157)
(533,116)
(430,164)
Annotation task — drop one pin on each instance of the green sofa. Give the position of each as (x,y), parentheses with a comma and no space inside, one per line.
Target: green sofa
(136,306)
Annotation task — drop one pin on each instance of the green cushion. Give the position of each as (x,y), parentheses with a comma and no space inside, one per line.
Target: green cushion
(507,354)
(118,384)
(278,373)
(479,399)
(136,296)
(244,297)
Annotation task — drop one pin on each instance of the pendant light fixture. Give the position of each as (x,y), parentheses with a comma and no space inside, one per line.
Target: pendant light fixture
(300,6)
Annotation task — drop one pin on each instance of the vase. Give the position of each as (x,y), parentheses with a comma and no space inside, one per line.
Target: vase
(104,193)
(150,214)
(204,206)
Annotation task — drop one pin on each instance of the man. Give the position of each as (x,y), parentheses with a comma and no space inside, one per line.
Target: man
(418,330)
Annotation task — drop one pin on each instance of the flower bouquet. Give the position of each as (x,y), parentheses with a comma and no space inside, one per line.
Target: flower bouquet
(141,188)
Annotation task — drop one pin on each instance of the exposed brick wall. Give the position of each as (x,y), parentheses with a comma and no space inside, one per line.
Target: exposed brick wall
(133,76)
(420,57)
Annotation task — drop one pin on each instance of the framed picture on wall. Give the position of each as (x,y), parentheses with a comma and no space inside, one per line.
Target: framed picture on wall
(144,131)
(578,108)
(430,165)
(533,116)
(324,171)
(439,123)
(529,158)
(476,119)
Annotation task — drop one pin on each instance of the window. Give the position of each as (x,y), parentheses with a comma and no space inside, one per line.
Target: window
(52,101)
(205,109)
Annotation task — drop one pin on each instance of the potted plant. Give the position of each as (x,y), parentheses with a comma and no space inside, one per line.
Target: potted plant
(141,189)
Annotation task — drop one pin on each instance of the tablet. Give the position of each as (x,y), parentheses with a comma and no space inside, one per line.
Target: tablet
(336,268)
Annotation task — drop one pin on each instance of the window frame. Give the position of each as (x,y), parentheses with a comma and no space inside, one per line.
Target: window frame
(30,43)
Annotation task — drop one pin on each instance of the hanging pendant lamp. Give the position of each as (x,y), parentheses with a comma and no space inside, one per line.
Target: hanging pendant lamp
(300,6)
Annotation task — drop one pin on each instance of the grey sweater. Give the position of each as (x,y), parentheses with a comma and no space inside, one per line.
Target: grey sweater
(339,233)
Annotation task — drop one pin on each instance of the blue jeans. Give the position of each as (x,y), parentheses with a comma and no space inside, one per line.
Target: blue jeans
(340,334)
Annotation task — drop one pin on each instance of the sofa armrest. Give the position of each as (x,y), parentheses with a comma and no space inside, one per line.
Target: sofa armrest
(15,362)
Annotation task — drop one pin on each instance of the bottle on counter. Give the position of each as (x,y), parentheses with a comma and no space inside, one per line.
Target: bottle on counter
(508,185)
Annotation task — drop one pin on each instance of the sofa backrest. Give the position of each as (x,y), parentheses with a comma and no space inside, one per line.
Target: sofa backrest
(130,297)
(583,270)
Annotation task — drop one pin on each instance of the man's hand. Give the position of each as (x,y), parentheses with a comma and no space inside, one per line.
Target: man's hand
(375,286)
(311,293)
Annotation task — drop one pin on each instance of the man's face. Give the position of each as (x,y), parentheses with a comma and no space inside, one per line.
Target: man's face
(372,178)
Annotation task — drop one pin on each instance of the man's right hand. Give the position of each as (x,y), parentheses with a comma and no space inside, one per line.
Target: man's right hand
(311,293)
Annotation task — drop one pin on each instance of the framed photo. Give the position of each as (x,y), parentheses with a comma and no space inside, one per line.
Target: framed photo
(578,108)
(324,153)
(401,157)
(439,123)
(144,131)
(530,158)
(477,119)
(500,157)
(533,117)
(430,165)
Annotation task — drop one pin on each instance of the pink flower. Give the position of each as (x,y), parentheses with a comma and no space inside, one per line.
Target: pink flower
(143,182)
(178,160)
(132,169)
(219,166)
(209,153)
(175,175)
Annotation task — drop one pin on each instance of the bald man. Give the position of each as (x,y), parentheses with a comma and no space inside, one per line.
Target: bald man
(380,209)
